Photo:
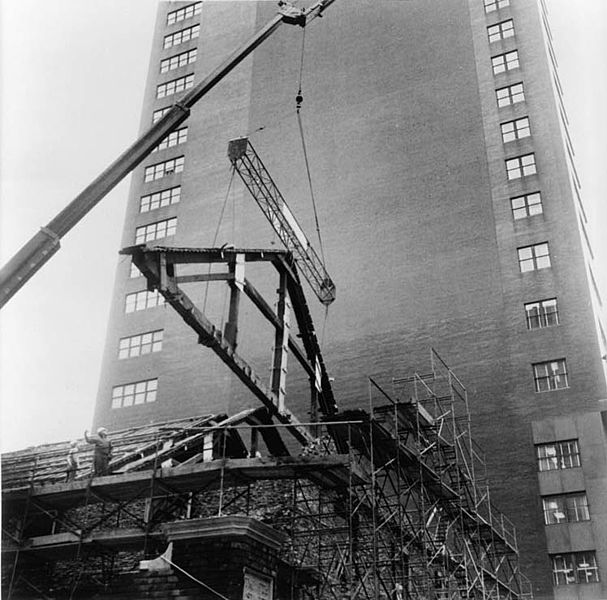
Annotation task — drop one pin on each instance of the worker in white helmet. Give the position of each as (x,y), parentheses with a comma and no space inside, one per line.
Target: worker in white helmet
(103,451)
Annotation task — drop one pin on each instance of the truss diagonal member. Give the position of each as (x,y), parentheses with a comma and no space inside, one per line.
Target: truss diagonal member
(158,268)
(274,207)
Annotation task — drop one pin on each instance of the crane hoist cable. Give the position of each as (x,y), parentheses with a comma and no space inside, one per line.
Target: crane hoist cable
(299,101)
(223,208)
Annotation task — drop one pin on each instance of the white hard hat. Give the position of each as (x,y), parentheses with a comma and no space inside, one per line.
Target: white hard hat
(101,430)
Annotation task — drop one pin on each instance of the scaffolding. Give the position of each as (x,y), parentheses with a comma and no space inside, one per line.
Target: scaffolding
(385,502)
(403,512)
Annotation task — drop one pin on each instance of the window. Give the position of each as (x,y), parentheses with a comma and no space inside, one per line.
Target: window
(158,114)
(574,567)
(159,199)
(493,5)
(534,258)
(510,94)
(505,62)
(134,271)
(136,345)
(129,394)
(558,455)
(155,231)
(521,166)
(515,130)
(174,86)
(142,300)
(526,206)
(184,13)
(550,375)
(181,36)
(500,31)
(179,60)
(173,139)
(566,508)
(167,167)
(542,314)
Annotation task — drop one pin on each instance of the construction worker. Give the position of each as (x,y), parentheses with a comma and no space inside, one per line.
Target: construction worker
(72,462)
(103,451)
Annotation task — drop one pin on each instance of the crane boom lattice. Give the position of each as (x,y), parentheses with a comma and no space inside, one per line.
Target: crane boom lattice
(271,202)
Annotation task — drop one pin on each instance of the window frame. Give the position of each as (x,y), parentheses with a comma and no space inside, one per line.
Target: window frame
(514,130)
(158,114)
(521,166)
(170,166)
(530,206)
(174,86)
(507,61)
(135,393)
(543,317)
(134,271)
(498,31)
(179,136)
(558,455)
(493,5)
(550,375)
(133,346)
(513,96)
(182,59)
(160,199)
(179,37)
(568,566)
(156,230)
(142,300)
(183,13)
(535,259)
(569,508)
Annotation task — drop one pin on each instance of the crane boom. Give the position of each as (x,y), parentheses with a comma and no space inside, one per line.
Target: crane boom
(39,249)
(255,176)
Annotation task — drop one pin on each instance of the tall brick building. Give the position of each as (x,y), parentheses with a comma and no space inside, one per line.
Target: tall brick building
(451,217)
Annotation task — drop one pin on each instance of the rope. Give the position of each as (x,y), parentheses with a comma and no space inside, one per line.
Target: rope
(305,153)
(204,585)
(223,208)
(298,101)
(301,60)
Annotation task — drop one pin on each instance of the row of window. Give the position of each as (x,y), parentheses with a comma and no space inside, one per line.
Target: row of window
(178,60)
(493,5)
(565,508)
(181,36)
(130,394)
(184,13)
(175,86)
(138,345)
(500,31)
(179,136)
(511,94)
(555,456)
(550,375)
(164,168)
(154,231)
(142,300)
(160,199)
(534,257)
(574,567)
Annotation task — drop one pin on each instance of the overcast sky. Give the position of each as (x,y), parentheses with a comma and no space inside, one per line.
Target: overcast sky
(72,75)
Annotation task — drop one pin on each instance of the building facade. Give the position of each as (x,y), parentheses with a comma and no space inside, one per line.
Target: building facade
(450,212)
